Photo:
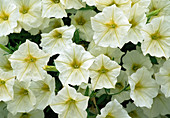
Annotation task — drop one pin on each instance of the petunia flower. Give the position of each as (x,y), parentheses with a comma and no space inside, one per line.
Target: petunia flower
(73,65)
(6,86)
(110,26)
(68,103)
(143,88)
(55,41)
(81,20)
(28,62)
(156,36)
(30,13)
(24,100)
(9,15)
(163,78)
(76,4)
(142,3)
(134,60)
(53,8)
(103,72)
(43,91)
(113,109)
(90,2)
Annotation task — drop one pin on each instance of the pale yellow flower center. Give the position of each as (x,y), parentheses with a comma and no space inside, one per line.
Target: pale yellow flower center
(45,87)
(70,101)
(133,22)
(156,36)
(57,34)
(109,115)
(103,70)
(2,82)
(4,16)
(138,85)
(56,1)
(75,64)
(24,10)
(30,59)
(23,91)
(25,115)
(80,21)
(133,114)
(111,24)
(119,85)
(112,3)
(135,67)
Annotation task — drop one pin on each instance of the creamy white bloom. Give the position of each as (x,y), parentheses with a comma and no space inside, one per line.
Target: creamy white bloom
(90,2)
(161,106)
(156,36)
(76,4)
(113,109)
(31,114)
(54,23)
(68,103)
(59,38)
(134,60)
(122,81)
(73,65)
(110,26)
(103,72)
(6,86)
(27,62)
(113,53)
(30,13)
(135,112)
(24,100)
(43,91)
(163,78)
(143,88)
(81,20)
(9,15)
(4,40)
(53,8)
(137,19)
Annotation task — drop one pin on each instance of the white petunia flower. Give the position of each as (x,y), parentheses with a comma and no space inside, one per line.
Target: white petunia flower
(53,8)
(113,109)
(135,112)
(122,80)
(30,13)
(161,106)
(163,78)
(32,114)
(103,72)
(137,19)
(43,91)
(24,100)
(81,20)
(143,88)
(8,17)
(27,62)
(157,37)
(110,26)
(59,38)
(73,65)
(90,2)
(113,53)
(6,86)
(68,103)
(54,23)
(76,4)
(134,60)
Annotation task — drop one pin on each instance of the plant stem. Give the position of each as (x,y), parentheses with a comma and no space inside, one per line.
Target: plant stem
(50,68)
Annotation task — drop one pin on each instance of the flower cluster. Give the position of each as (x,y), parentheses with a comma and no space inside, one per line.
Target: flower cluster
(84,58)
